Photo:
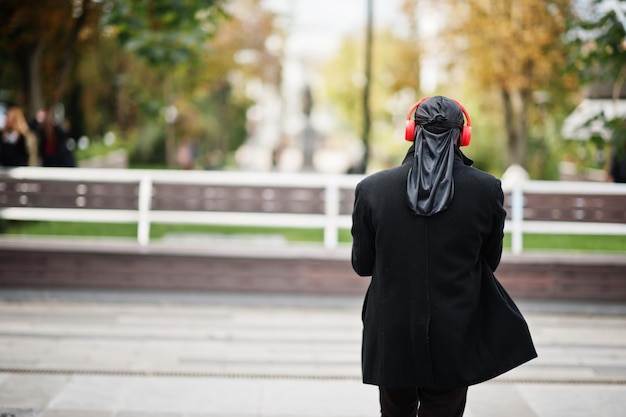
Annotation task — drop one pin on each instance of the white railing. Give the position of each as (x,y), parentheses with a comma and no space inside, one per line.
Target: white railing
(332,220)
(517,225)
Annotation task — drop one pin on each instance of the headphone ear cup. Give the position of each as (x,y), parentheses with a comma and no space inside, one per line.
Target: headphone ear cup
(411,125)
(466,131)
(409,132)
(466,135)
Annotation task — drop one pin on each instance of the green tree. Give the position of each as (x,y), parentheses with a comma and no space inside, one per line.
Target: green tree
(47,46)
(39,42)
(517,48)
(395,82)
(171,37)
(245,50)
(165,33)
(204,73)
(132,59)
(598,41)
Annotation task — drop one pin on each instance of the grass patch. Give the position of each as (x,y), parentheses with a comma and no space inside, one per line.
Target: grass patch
(587,243)
(157,230)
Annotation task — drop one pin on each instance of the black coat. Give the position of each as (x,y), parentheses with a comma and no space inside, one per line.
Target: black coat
(53,149)
(13,154)
(434,314)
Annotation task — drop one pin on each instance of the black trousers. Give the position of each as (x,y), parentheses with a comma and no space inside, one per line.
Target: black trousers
(422,402)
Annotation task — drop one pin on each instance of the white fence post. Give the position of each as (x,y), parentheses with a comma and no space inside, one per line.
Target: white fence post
(517,217)
(332,200)
(144,203)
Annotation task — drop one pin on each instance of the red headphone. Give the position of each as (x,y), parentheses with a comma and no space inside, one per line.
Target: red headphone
(466,131)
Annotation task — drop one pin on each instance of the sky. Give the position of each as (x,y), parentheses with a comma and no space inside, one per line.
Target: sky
(317,26)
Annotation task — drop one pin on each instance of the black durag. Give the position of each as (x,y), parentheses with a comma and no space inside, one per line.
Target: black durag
(430,186)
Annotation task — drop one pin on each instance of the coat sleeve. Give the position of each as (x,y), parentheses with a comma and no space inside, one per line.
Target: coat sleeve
(492,245)
(363,249)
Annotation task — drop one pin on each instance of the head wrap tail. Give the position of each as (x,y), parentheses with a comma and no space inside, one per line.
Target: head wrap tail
(430,185)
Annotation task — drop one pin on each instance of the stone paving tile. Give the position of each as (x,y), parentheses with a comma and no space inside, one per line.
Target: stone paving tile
(30,391)
(150,414)
(212,397)
(254,336)
(4,377)
(89,393)
(158,395)
(19,412)
(76,413)
(315,398)
(497,400)
(218,396)
(561,400)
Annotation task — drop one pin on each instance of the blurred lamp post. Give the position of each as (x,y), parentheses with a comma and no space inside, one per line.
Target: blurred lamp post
(171,114)
(366,89)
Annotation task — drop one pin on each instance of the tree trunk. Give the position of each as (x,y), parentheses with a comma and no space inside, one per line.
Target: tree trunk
(67,64)
(29,67)
(35,90)
(522,146)
(515,125)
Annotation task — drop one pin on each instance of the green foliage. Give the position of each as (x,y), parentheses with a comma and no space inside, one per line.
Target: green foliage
(617,140)
(488,138)
(597,45)
(39,42)
(343,83)
(598,53)
(521,53)
(394,84)
(125,61)
(516,47)
(546,147)
(148,146)
(98,148)
(166,33)
(618,136)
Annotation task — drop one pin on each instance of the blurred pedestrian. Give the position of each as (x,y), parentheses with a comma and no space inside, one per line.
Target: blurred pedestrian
(53,144)
(18,144)
(37,121)
(429,232)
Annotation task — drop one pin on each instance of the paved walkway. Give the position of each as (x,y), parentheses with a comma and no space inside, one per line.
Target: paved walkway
(139,354)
